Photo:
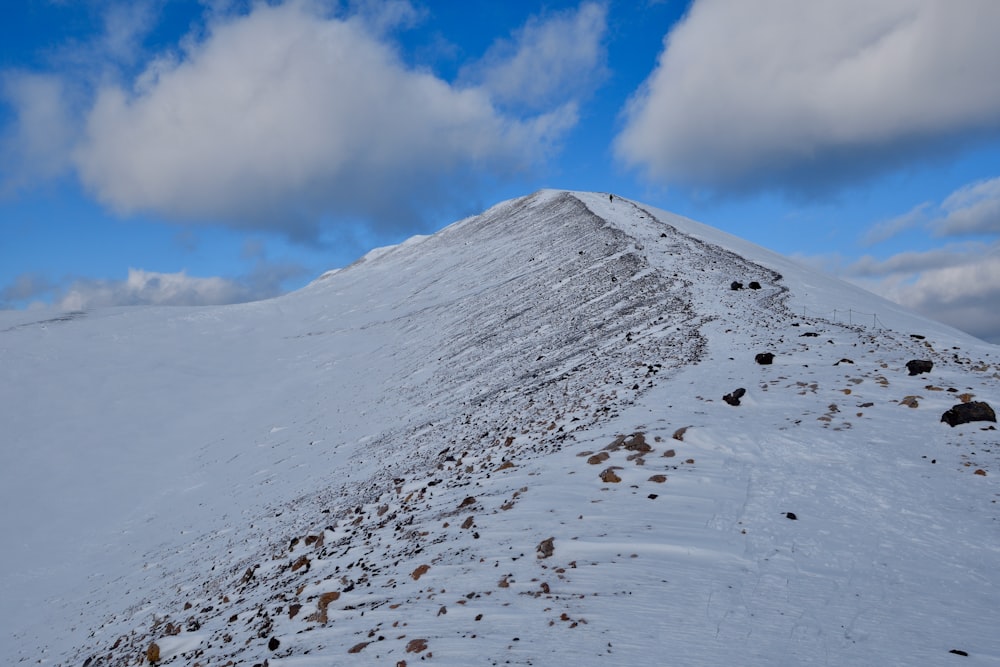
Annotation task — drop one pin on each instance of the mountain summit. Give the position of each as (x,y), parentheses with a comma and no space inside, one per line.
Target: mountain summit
(570,430)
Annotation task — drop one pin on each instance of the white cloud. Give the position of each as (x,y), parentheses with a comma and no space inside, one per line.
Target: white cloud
(283,116)
(973,209)
(958,284)
(561,57)
(887,229)
(805,96)
(176,289)
(966,295)
(36,145)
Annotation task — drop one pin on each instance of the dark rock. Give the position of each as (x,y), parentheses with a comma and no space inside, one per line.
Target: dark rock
(273,644)
(764,358)
(974,411)
(844,361)
(918,366)
(958,652)
(735,285)
(791,515)
(734,398)
(754,284)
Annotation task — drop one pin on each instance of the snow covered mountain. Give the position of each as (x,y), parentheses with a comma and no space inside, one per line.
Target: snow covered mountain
(505,443)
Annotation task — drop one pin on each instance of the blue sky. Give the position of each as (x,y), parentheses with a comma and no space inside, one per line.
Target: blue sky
(200,152)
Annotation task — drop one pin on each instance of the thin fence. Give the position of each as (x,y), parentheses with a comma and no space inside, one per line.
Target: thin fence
(847,316)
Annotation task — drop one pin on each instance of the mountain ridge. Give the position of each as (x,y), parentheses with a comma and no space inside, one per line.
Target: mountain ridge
(394,460)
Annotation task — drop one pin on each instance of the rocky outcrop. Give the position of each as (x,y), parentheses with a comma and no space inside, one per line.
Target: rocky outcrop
(974,411)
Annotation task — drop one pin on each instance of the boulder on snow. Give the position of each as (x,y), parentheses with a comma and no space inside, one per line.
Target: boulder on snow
(764,358)
(918,366)
(974,411)
(734,397)
(754,284)
(546,547)
(735,285)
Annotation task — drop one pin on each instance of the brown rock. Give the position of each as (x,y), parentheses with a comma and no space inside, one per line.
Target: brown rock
(546,547)
(609,476)
(600,457)
(153,653)
(416,646)
(358,648)
(419,572)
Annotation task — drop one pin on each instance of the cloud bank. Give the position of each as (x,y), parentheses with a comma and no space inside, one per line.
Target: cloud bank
(958,283)
(151,288)
(806,97)
(287,116)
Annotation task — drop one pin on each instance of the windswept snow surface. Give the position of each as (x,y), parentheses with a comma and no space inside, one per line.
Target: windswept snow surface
(504,444)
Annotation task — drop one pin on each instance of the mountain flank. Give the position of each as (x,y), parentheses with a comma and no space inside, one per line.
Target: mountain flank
(508,443)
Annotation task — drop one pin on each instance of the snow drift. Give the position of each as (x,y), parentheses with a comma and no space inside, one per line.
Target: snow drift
(503,444)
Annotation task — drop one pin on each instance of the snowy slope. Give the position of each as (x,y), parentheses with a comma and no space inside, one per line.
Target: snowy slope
(362,472)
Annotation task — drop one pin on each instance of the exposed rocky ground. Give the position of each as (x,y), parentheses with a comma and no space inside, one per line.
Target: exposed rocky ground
(507,444)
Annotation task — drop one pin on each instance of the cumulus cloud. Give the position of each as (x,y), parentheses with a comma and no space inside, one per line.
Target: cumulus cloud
(176,289)
(286,116)
(547,61)
(265,280)
(964,295)
(807,96)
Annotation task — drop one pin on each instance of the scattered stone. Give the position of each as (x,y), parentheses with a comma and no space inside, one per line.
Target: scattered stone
(637,443)
(358,648)
(955,650)
(419,572)
(918,366)
(844,361)
(764,358)
(735,285)
(608,476)
(910,401)
(679,434)
(669,454)
(754,284)
(599,457)
(470,500)
(791,515)
(980,471)
(734,398)
(963,413)
(546,547)
(273,644)
(416,646)
(809,334)
(153,653)
(659,479)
